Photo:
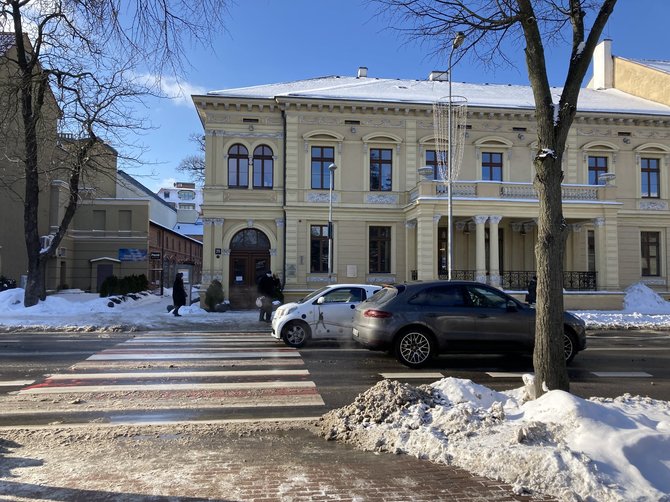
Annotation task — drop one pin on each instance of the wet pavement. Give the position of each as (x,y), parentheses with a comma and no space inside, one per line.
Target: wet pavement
(223,464)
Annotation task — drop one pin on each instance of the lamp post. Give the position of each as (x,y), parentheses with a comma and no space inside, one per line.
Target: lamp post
(458,40)
(331,168)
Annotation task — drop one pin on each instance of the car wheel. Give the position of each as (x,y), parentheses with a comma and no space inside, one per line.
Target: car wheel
(414,348)
(295,334)
(569,347)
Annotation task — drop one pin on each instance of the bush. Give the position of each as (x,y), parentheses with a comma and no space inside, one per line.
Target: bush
(129,284)
(6,283)
(214,295)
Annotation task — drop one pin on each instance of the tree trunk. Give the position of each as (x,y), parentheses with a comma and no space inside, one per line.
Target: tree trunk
(35,285)
(548,357)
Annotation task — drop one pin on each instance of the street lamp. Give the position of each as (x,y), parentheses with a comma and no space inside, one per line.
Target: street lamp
(331,168)
(458,40)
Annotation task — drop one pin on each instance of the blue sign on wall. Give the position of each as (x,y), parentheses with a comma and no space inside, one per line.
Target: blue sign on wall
(131,254)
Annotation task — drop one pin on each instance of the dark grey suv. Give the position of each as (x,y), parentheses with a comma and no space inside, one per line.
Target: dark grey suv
(420,320)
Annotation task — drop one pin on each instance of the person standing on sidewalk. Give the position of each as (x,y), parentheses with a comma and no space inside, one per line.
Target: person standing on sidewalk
(178,294)
(266,288)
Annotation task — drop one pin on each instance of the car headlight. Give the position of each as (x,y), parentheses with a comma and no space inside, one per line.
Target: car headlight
(282,311)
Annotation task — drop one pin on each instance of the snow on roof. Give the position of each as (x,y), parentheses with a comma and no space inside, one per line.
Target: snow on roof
(656,64)
(427,92)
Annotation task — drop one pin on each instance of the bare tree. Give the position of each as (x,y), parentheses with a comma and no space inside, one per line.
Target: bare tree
(85,58)
(491,28)
(194,165)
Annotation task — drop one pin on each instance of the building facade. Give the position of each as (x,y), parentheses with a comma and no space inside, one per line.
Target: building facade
(268,198)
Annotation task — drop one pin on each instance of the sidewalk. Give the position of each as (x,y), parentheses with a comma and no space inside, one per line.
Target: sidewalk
(235,463)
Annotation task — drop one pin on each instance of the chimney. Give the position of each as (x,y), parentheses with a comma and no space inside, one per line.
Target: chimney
(362,71)
(603,66)
(439,75)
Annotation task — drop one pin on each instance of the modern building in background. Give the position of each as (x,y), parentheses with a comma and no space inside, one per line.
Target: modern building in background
(268,199)
(170,249)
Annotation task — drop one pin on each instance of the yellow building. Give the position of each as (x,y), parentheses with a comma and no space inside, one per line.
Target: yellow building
(107,236)
(268,200)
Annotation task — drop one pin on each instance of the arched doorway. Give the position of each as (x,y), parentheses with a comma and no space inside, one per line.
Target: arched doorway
(249,259)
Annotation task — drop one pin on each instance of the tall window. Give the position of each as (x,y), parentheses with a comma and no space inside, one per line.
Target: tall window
(432,161)
(591,250)
(380,250)
(650,253)
(319,248)
(263,167)
(492,165)
(238,166)
(381,169)
(322,157)
(597,166)
(650,171)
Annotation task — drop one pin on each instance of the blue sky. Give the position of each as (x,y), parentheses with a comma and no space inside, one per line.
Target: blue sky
(266,41)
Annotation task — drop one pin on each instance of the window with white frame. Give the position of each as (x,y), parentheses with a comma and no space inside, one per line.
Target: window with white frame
(493,153)
(599,162)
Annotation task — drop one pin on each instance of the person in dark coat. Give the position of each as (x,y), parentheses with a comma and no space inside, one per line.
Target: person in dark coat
(178,293)
(532,291)
(266,289)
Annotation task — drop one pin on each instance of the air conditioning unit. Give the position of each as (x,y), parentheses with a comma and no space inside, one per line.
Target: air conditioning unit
(45,241)
(61,252)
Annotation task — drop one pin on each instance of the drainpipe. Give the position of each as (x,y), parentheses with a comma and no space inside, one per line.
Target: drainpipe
(283,115)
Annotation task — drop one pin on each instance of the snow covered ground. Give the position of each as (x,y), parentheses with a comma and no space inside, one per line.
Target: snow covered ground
(75,310)
(575,449)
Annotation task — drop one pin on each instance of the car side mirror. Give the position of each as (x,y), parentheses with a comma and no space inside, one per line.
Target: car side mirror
(321,300)
(511,306)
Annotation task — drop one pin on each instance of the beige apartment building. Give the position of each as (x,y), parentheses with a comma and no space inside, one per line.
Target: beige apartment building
(107,236)
(268,198)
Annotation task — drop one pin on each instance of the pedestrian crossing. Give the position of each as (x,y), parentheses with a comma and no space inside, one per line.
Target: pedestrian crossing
(175,377)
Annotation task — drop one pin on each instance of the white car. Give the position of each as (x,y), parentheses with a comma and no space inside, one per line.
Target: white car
(326,313)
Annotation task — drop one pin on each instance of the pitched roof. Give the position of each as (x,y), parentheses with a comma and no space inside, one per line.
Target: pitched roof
(129,179)
(656,64)
(398,91)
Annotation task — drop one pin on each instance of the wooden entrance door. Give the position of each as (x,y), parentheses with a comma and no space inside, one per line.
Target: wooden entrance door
(249,260)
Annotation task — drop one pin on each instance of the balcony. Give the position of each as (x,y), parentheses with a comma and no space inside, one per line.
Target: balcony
(517,280)
(509,191)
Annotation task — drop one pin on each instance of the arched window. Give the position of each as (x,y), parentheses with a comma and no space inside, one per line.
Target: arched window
(250,239)
(263,167)
(238,166)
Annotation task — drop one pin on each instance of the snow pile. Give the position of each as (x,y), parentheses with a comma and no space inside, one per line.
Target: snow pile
(643,300)
(643,309)
(560,444)
(74,310)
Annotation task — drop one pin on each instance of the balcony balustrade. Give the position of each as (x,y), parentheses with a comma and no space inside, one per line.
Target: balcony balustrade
(509,191)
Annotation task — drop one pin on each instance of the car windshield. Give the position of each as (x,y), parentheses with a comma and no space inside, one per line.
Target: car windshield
(314,294)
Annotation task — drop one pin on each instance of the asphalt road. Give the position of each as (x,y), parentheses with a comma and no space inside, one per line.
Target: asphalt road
(48,378)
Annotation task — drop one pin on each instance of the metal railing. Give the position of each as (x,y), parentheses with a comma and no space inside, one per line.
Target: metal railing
(518,279)
(572,280)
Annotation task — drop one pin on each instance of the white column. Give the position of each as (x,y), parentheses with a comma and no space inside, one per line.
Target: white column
(494,256)
(426,236)
(601,262)
(410,249)
(480,245)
